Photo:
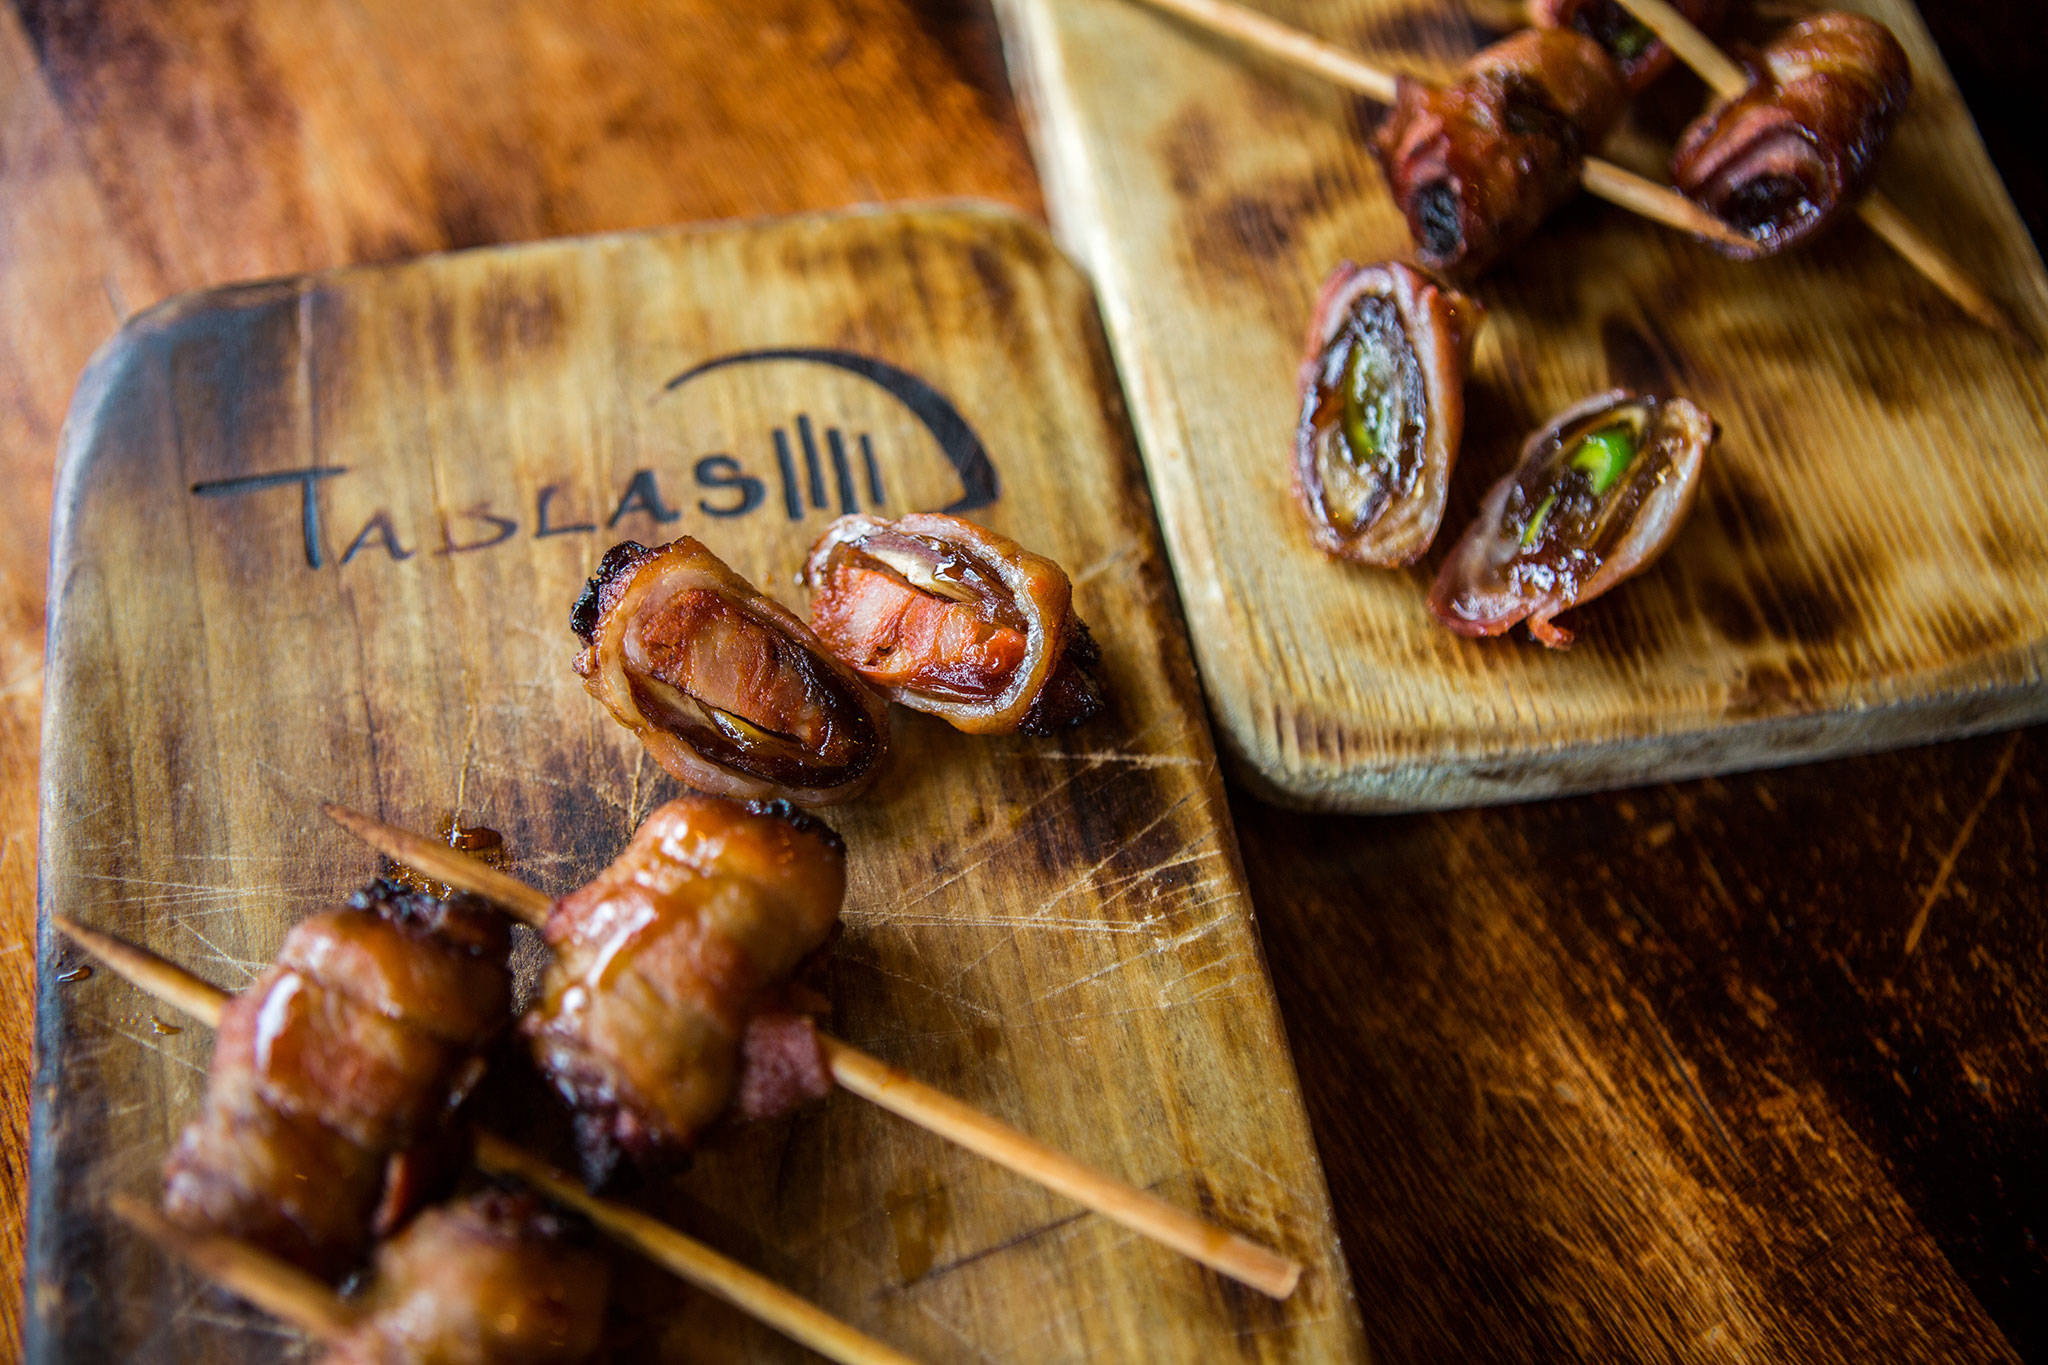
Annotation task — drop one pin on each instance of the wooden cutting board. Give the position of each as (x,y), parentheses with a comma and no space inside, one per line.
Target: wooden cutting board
(1869,562)
(317,539)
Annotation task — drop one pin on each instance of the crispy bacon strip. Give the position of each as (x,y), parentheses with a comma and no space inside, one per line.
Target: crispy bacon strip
(336,1073)
(669,987)
(494,1279)
(1476,165)
(1795,151)
(1638,52)
(951,619)
(728,690)
(1382,411)
(1597,496)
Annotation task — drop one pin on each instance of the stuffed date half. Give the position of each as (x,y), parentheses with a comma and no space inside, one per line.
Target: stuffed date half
(951,619)
(1382,411)
(1597,496)
(729,691)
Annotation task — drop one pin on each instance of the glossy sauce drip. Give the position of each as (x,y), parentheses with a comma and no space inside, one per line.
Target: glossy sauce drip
(1370,414)
(82,972)
(478,841)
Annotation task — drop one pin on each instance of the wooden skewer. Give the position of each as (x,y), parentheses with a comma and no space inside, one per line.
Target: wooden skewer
(1638,194)
(279,1289)
(684,1257)
(1728,80)
(1225,1252)
(797,1318)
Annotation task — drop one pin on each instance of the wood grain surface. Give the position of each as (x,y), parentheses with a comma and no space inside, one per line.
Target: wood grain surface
(316,539)
(1840,587)
(1929,1068)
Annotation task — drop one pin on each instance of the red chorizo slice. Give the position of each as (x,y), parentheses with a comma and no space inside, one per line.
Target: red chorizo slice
(951,619)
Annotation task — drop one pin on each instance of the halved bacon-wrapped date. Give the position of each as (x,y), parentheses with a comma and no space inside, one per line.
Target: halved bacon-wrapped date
(1791,154)
(728,690)
(1597,496)
(668,1004)
(951,619)
(1382,411)
(494,1279)
(1639,53)
(1477,164)
(345,1059)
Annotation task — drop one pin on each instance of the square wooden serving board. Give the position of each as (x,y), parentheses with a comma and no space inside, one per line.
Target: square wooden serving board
(317,540)
(1869,562)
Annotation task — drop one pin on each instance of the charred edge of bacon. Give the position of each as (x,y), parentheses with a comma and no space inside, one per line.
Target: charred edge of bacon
(463,921)
(614,571)
(797,819)
(1073,695)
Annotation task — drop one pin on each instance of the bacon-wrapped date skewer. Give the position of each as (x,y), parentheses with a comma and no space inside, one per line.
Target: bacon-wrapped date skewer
(1477,164)
(346,1058)
(1382,411)
(951,619)
(667,998)
(1597,495)
(728,690)
(494,1279)
(1794,152)
(1639,53)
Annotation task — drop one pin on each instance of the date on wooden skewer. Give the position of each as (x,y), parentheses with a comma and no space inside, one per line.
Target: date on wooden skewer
(876,1081)
(284,1289)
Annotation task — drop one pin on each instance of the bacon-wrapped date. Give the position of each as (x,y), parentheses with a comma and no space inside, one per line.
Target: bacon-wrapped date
(1791,154)
(1476,165)
(1639,53)
(1597,495)
(668,998)
(951,619)
(344,1060)
(728,690)
(494,1279)
(1382,411)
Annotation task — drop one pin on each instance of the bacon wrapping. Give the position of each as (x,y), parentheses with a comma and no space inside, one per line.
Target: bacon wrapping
(1382,411)
(951,619)
(728,690)
(1476,165)
(1598,495)
(1794,152)
(1641,56)
(494,1279)
(668,1004)
(345,1060)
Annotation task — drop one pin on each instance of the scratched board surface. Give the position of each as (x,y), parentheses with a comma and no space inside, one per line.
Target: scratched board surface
(1868,564)
(317,540)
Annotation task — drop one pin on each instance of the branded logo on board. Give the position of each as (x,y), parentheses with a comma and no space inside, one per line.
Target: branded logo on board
(812,468)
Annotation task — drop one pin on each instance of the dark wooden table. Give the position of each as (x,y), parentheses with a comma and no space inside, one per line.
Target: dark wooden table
(1739,1069)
